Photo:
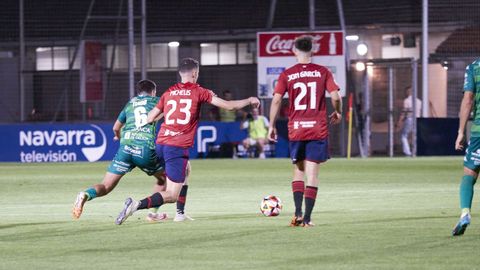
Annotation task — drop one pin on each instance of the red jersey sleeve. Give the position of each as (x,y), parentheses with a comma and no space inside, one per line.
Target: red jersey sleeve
(160,103)
(281,86)
(330,82)
(205,95)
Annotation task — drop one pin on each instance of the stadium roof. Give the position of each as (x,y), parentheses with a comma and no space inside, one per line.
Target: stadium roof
(62,19)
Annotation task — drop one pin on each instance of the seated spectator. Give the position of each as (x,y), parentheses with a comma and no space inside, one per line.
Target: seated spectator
(257,131)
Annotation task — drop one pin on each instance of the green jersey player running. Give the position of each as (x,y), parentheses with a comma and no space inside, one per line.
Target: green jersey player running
(137,149)
(471,164)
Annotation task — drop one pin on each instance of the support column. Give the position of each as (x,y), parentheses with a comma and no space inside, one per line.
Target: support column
(131,51)
(390,112)
(414,106)
(311,14)
(21,66)
(366,128)
(425,103)
(144,41)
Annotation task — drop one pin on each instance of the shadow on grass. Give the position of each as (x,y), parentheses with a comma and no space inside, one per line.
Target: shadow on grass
(18,225)
(229,217)
(44,230)
(387,220)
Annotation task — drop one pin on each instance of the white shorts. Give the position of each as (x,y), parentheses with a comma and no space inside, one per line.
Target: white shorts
(251,141)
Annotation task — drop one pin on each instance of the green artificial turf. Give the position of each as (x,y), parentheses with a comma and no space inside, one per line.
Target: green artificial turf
(370,213)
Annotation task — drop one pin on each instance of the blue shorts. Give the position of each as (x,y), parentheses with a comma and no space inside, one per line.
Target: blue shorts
(175,161)
(315,151)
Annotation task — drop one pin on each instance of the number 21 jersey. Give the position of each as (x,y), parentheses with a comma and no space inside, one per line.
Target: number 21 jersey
(181,105)
(306,85)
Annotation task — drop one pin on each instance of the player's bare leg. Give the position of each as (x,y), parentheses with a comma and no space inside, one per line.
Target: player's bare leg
(261,146)
(110,181)
(170,195)
(298,188)
(246,145)
(311,171)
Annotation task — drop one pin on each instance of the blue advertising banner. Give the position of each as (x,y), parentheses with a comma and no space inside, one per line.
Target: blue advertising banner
(94,142)
(57,142)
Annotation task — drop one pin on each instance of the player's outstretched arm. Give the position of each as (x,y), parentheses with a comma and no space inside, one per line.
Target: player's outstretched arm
(117,127)
(465,109)
(274,108)
(336,116)
(235,104)
(154,115)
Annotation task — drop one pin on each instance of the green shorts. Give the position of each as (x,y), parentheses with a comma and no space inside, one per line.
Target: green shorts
(129,157)
(472,154)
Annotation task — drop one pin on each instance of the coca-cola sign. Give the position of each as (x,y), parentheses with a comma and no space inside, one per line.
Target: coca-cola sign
(281,43)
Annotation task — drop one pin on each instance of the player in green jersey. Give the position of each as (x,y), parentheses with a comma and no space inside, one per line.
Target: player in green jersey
(137,148)
(471,164)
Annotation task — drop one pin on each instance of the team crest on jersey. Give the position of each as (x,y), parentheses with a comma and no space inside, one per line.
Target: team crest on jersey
(295,125)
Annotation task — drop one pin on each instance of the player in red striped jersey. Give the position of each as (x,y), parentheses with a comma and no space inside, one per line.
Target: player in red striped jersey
(306,84)
(180,105)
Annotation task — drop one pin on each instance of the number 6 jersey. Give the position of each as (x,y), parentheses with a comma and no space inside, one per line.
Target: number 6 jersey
(306,85)
(134,116)
(180,105)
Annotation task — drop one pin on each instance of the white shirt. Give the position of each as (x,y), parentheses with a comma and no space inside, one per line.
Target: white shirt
(408,106)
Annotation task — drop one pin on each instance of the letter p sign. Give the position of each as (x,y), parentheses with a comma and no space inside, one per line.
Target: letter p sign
(205,134)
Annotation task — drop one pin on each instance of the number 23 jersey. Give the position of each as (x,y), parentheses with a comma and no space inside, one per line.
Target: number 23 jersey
(306,85)
(181,105)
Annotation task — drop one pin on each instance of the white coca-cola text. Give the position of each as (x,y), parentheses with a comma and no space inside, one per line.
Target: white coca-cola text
(278,45)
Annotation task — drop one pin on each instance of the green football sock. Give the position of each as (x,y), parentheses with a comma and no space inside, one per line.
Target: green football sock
(91,193)
(466,191)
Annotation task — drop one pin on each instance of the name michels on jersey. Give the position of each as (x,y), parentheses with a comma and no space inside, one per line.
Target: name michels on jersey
(182,92)
(303,74)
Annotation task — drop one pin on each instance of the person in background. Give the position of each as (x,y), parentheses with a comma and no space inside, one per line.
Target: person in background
(257,126)
(229,149)
(226,115)
(406,118)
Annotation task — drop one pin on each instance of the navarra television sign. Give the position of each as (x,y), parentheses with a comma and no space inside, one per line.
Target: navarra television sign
(57,143)
(275,54)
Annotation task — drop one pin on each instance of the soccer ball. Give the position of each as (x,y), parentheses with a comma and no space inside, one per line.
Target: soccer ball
(271,206)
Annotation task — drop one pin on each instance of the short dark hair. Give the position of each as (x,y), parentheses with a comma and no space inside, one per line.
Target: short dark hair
(146,86)
(187,64)
(304,43)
